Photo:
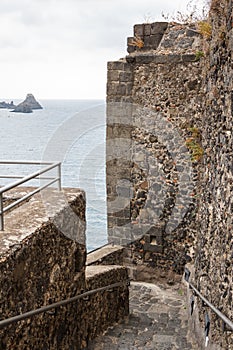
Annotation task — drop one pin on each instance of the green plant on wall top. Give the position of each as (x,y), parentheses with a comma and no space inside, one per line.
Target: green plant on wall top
(199,55)
(196,150)
(193,144)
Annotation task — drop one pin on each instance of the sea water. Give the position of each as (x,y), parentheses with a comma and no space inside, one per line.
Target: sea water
(70,131)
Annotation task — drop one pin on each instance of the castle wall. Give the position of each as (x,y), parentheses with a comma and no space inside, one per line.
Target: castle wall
(213,265)
(172,95)
(151,172)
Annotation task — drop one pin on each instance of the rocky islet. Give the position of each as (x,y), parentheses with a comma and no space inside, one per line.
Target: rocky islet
(28,105)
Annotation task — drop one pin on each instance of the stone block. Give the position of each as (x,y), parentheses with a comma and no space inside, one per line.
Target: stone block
(147,29)
(125,77)
(159,59)
(139,30)
(122,221)
(129,88)
(189,58)
(130,40)
(139,157)
(130,59)
(192,33)
(124,191)
(122,131)
(167,43)
(127,212)
(173,59)
(152,42)
(121,89)
(109,132)
(147,42)
(130,46)
(155,40)
(127,99)
(119,113)
(111,221)
(113,75)
(107,255)
(158,27)
(144,59)
(130,49)
(112,88)
(116,65)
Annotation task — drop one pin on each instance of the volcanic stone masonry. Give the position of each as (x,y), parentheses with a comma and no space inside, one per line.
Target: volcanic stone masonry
(214,251)
(43,261)
(149,166)
(169,155)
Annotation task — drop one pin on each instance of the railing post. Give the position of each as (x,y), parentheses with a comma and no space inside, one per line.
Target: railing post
(50,166)
(59,177)
(1,213)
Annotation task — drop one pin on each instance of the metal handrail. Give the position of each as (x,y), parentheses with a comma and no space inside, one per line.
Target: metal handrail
(10,320)
(225,319)
(23,179)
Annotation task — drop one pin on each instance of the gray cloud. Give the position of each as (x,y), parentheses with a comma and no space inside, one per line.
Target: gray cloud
(84,33)
(98,23)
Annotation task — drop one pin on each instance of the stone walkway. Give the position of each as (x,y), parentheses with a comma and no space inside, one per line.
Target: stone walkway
(157,321)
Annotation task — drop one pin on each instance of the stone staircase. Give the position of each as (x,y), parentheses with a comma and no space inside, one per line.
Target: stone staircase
(158,320)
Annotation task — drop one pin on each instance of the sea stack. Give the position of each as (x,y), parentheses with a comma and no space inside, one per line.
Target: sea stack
(28,105)
(4,105)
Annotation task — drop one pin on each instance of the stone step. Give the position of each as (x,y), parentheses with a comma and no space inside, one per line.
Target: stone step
(158,320)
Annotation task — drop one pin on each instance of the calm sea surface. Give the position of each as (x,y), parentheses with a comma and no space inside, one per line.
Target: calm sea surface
(71,131)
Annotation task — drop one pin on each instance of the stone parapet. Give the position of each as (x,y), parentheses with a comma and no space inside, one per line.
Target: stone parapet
(102,309)
(43,261)
(108,255)
(40,265)
(150,35)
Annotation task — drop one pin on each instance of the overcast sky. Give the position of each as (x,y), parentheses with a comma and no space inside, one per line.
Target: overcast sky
(60,48)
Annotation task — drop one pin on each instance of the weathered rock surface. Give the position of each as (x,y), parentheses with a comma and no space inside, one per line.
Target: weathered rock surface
(156,122)
(42,260)
(28,105)
(22,108)
(4,104)
(183,91)
(213,264)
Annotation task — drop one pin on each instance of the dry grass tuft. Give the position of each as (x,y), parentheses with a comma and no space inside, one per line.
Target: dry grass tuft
(205,29)
(137,41)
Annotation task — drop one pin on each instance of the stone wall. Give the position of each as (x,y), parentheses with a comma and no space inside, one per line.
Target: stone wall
(153,142)
(43,261)
(38,267)
(107,255)
(214,258)
(172,95)
(108,307)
